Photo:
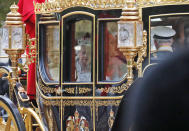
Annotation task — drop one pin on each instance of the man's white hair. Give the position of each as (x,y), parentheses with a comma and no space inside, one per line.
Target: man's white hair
(162,41)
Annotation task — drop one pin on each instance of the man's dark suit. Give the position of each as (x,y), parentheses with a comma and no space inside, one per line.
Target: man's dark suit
(160,101)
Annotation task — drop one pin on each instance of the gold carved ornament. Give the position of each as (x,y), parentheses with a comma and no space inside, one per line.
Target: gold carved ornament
(111,119)
(46,89)
(141,54)
(115,89)
(71,90)
(105,103)
(149,3)
(59,5)
(31,56)
(82,103)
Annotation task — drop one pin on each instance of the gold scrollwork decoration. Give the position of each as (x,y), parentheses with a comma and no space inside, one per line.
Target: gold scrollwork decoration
(141,54)
(59,5)
(77,90)
(107,102)
(51,103)
(81,102)
(115,89)
(70,90)
(46,89)
(119,89)
(111,119)
(149,3)
(68,102)
(84,90)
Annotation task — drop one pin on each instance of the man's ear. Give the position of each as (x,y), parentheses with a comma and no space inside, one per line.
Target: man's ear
(156,44)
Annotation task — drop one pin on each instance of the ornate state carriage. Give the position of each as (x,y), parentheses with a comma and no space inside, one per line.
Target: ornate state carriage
(85,62)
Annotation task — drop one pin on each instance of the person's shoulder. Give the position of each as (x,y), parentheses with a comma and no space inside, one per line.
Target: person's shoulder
(163,54)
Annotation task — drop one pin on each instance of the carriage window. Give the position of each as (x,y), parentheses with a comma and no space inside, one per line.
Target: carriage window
(52,56)
(112,63)
(78,50)
(165,46)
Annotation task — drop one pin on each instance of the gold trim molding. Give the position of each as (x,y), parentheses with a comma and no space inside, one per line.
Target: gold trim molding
(78,90)
(115,89)
(60,5)
(81,102)
(84,90)
(46,89)
(119,89)
(70,90)
(68,102)
(150,3)
(107,103)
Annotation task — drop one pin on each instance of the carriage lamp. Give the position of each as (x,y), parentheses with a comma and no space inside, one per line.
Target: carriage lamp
(130,36)
(14,38)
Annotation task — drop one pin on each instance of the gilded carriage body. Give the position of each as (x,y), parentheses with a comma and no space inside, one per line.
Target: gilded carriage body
(81,71)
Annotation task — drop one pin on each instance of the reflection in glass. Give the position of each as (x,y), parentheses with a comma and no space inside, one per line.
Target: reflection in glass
(52,58)
(16,37)
(83,62)
(114,62)
(139,34)
(4,41)
(125,37)
(78,51)
(83,50)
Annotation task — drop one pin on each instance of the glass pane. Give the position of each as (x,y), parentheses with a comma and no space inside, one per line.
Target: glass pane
(114,63)
(52,56)
(80,53)
(5,38)
(139,33)
(16,36)
(83,50)
(4,42)
(164,47)
(125,36)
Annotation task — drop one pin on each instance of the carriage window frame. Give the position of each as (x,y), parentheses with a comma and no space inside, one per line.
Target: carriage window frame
(101,57)
(73,14)
(41,57)
(149,29)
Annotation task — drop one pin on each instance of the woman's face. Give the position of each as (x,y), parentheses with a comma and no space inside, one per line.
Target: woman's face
(83,58)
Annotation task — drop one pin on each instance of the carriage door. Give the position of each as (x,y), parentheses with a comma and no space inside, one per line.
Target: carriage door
(77,69)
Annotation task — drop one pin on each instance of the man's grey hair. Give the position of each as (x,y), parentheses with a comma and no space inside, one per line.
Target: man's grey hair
(162,41)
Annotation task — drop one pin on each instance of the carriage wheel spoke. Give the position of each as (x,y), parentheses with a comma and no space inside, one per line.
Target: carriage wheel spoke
(8,125)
